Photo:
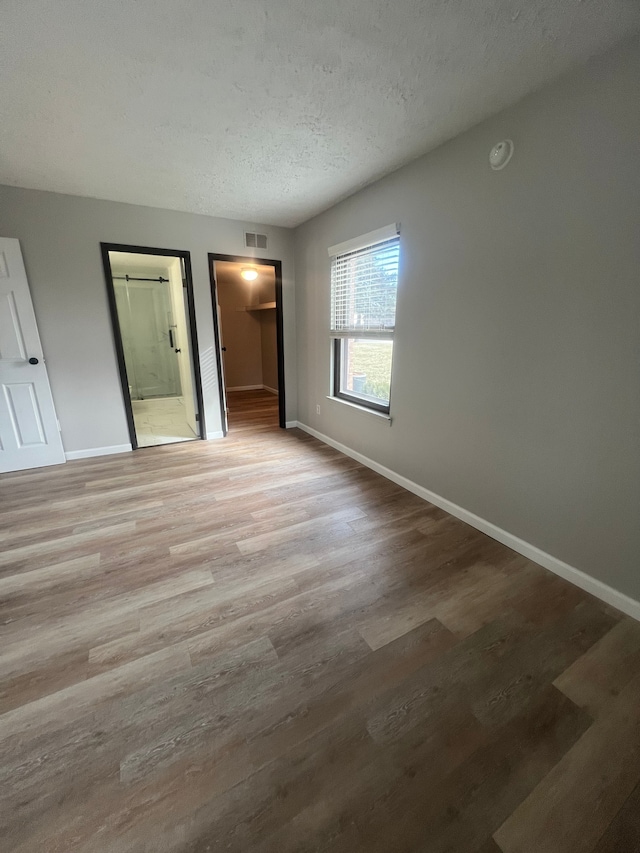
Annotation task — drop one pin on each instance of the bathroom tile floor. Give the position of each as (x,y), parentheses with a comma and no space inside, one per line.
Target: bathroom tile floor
(161,421)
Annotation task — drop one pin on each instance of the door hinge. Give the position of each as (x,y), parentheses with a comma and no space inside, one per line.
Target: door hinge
(197,416)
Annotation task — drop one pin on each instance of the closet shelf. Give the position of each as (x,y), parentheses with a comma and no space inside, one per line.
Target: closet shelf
(263,306)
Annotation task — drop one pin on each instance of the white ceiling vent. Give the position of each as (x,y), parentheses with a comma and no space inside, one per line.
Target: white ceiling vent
(255,241)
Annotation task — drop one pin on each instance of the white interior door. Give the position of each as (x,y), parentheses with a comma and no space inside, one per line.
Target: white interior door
(29,434)
(186,364)
(221,379)
(182,342)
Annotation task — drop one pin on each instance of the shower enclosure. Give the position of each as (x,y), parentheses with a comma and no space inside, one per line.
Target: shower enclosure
(152,311)
(148,336)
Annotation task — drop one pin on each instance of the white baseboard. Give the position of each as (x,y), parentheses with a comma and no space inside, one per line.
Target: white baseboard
(97,451)
(245,388)
(253,388)
(575,576)
(215,434)
(291,424)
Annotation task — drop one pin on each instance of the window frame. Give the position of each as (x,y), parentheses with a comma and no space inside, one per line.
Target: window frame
(339,336)
(339,394)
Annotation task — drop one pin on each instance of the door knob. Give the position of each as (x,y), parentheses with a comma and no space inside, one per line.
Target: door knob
(178,350)
(33,360)
(224,349)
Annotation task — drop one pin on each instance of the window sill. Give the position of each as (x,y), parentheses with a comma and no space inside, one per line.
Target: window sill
(380,415)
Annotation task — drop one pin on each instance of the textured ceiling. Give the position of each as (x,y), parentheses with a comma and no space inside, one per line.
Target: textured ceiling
(266,112)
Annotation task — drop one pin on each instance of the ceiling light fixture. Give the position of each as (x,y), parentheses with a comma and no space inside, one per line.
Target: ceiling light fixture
(248,274)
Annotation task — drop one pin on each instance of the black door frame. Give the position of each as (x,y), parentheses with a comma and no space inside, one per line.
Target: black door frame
(277,265)
(105,248)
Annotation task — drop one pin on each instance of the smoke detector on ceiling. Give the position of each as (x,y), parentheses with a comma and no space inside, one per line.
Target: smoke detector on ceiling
(500,154)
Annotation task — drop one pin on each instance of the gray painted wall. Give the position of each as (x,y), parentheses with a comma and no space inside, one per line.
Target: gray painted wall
(516,378)
(268,333)
(269,348)
(240,332)
(60,237)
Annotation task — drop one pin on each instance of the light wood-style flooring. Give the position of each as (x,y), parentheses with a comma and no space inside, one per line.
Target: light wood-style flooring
(257,645)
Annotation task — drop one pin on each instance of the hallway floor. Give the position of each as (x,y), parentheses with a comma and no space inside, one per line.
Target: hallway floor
(251,410)
(161,420)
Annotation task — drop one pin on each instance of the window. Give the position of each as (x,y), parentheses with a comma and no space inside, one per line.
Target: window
(364,283)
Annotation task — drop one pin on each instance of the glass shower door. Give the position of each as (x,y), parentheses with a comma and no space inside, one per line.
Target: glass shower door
(147,327)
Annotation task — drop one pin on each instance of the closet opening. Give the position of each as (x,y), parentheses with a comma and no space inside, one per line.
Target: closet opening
(248,324)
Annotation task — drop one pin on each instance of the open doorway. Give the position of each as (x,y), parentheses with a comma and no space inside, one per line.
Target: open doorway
(247,308)
(151,300)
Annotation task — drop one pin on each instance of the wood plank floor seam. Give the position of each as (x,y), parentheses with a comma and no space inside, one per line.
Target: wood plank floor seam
(257,645)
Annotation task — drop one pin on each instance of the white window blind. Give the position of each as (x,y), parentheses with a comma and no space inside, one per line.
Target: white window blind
(364,285)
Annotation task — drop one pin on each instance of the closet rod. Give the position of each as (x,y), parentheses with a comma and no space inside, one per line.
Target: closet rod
(133,278)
